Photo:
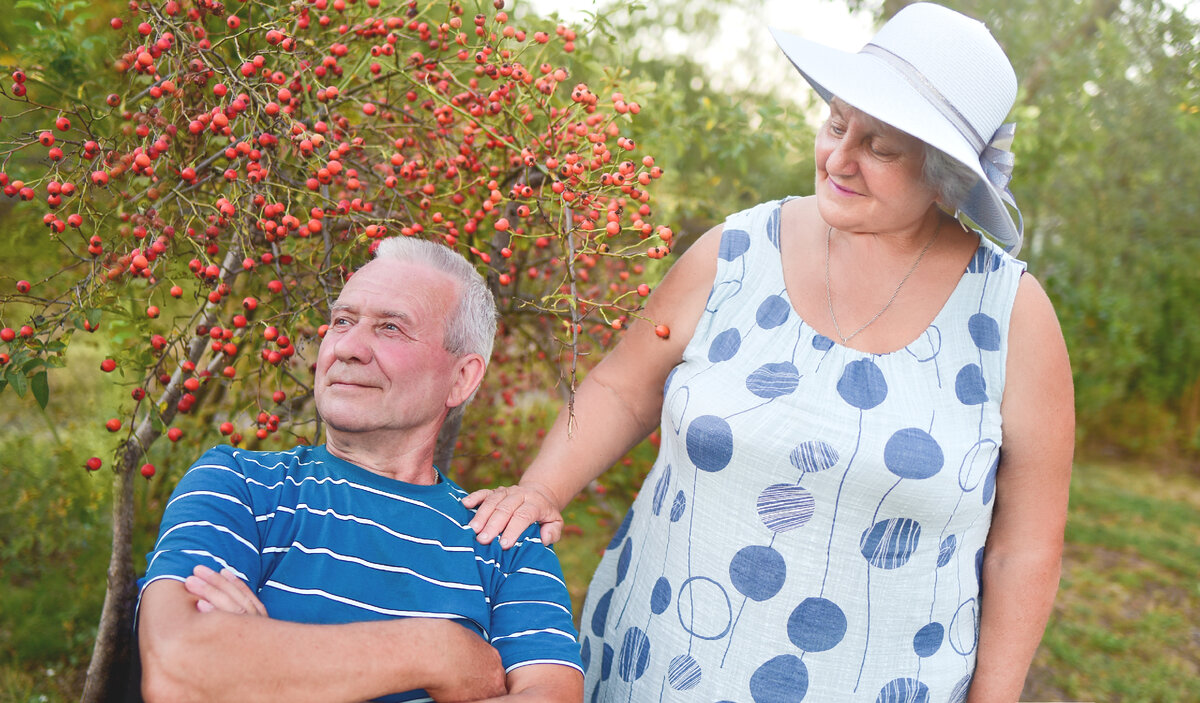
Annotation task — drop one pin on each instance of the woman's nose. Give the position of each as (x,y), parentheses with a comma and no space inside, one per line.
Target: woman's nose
(842,159)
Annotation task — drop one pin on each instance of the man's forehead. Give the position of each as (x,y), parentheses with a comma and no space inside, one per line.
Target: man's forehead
(375,310)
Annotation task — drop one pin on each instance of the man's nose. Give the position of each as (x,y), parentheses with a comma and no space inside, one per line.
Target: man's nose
(354,344)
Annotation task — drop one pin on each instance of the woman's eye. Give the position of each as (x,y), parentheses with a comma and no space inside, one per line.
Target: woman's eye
(882,152)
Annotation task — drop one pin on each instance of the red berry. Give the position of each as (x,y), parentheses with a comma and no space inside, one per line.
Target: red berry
(148,470)
(643,290)
(662,331)
(8,334)
(22,286)
(108,366)
(93,463)
(226,428)
(116,23)
(113,425)
(63,124)
(174,434)
(26,331)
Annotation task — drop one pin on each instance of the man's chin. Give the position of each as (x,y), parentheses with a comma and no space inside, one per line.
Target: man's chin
(349,425)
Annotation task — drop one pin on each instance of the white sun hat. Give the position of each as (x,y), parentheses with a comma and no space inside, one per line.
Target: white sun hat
(941,77)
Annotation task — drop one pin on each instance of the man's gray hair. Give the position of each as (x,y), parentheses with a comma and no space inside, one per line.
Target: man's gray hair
(471,326)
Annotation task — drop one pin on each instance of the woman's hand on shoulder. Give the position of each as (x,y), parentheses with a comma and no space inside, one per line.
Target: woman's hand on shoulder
(506,512)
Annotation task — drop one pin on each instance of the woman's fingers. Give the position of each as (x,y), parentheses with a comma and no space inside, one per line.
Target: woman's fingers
(507,511)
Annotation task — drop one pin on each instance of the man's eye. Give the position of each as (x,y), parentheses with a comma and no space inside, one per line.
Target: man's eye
(340,321)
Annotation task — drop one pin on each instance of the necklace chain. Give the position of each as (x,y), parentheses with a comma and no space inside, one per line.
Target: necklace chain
(829,294)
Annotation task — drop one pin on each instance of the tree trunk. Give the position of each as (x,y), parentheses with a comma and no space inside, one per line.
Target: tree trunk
(114,672)
(110,673)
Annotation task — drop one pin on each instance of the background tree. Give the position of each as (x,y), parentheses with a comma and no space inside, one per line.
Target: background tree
(201,218)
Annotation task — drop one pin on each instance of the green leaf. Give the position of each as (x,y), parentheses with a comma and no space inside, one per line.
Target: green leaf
(19,383)
(41,388)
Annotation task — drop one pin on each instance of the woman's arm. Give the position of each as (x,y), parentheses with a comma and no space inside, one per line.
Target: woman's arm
(615,407)
(1024,547)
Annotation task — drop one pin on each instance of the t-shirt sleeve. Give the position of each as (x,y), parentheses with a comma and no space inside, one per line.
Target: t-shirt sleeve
(531,608)
(208,520)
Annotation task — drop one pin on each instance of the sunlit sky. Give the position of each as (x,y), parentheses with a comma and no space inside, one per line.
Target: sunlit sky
(739,60)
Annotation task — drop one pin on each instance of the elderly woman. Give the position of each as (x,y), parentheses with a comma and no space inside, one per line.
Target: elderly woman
(866,415)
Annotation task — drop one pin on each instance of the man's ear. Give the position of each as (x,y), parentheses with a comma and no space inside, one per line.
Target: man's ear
(468,375)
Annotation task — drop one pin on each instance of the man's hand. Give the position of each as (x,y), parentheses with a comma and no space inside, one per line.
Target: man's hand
(506,511)
(223,592)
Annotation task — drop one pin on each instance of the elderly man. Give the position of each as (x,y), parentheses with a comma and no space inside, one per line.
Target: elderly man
(348,571)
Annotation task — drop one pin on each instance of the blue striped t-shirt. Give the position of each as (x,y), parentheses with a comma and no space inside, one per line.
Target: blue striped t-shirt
(322,540)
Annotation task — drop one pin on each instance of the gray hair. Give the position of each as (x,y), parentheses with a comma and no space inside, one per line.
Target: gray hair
(951,178)
(471,326)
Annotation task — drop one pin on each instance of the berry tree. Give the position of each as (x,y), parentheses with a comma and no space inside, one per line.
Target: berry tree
(204,208)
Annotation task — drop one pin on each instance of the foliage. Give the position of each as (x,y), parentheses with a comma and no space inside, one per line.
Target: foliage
(727,144)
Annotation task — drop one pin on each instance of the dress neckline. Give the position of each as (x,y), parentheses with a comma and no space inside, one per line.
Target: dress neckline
(847,349)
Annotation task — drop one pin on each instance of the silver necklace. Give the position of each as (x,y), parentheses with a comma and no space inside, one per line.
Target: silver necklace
(829,294)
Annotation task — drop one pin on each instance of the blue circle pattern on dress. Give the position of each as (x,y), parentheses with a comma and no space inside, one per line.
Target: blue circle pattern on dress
(734,455)
(783,507)
(782,679)
(710,443)
(757,572)
(816,625)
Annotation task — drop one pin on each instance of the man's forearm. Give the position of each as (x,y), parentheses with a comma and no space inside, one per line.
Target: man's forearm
(188,655)
(542,683)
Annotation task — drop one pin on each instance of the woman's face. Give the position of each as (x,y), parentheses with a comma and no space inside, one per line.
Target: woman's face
(869,174)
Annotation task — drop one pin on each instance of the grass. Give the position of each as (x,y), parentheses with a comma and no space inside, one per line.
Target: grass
(1124,626)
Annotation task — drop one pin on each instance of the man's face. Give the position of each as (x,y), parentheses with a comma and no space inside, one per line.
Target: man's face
(382,366)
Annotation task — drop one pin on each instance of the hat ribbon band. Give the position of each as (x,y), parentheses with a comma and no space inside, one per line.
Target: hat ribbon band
(927,90)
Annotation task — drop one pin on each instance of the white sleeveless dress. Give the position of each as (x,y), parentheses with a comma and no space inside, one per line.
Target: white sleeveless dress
(813,527)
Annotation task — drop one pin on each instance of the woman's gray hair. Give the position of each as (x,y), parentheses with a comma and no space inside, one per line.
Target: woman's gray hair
(471,326)
(950,178)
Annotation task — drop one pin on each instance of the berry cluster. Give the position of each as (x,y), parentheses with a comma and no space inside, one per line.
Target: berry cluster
(243,164)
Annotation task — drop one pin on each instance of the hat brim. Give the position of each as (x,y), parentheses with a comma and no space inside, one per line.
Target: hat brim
(871,85)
